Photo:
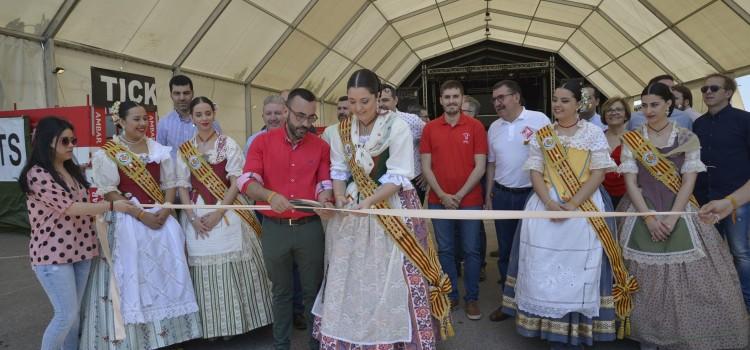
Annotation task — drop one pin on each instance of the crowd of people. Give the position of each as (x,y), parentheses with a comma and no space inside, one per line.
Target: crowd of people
(125,273)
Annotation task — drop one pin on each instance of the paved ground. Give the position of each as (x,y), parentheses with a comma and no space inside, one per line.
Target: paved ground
(25,311)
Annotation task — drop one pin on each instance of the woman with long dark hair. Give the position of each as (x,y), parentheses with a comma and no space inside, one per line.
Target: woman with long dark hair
(690,294)
(63,241)
(140,295)
(373,295)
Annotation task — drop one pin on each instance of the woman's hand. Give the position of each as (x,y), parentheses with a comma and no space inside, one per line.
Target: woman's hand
(365,204)
(658,229)
(553,205)
(163,215)
(210,220)
(670,222)
(151,220)
(201,230)
(125,206)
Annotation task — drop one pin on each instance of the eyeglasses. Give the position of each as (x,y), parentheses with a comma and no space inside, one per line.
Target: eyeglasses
(302,117)
(615,110)
(501,97)
(713,88)
(68,141)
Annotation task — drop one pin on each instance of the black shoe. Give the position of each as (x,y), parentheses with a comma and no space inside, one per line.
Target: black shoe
(299,322)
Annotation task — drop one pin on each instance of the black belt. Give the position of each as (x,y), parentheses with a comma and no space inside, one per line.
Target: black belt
(292,222)
(512,190)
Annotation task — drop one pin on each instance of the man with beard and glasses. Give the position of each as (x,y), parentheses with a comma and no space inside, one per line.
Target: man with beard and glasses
(177,127)
(285,164)
(454,153)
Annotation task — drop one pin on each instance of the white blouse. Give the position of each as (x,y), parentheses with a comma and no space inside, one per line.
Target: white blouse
(588,137)
(106,178)
(396,136)
(230,151)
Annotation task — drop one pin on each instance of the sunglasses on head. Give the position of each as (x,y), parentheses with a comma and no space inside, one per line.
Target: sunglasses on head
(713,88)
(68,141)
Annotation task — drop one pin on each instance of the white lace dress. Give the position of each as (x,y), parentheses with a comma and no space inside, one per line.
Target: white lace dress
(560,263)
(372,297)
(150,271)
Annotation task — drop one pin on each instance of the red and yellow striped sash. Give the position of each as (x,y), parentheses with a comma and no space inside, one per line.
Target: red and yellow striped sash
(625,284)
(133,167)
(655,162)
(426,261)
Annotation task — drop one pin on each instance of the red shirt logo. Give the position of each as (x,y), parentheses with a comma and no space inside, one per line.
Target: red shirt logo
(466,137)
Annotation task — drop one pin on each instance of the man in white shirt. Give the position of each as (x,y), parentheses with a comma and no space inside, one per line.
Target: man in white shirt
(588,111)
(508,185)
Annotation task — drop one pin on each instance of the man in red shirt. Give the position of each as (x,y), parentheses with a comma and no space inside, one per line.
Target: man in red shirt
(284,164)
(454,154)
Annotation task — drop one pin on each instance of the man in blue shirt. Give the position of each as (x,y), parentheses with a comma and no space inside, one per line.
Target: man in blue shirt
(274,115)
(724,133)
(681,118)
(177,126)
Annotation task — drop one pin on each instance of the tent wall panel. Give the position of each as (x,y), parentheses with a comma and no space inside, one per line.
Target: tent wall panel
(21,74)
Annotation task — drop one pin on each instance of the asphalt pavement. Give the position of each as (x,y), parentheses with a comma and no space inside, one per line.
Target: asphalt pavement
(25,311)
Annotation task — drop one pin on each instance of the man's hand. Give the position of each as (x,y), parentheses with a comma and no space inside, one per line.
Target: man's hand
(280,204)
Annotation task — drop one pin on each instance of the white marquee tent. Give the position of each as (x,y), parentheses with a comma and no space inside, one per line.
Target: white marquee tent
(239,51)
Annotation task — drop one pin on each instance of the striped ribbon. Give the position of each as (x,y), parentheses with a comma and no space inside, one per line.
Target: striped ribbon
(625,284)
(204,173)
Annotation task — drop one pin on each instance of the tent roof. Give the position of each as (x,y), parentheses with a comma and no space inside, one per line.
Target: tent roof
(275,44)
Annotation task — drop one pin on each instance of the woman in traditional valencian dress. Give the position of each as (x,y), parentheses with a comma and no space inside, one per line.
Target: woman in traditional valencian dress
(690,294)
(224,253)
(559,284)
(373,296)
(140,295)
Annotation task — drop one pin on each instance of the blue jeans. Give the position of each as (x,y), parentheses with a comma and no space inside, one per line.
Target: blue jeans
(738,236)
(470,241)
(64,285)
(506,229)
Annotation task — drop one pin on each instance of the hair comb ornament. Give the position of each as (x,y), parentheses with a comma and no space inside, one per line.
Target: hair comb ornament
(114,112)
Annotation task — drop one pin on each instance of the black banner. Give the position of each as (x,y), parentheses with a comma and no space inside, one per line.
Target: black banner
(108,86)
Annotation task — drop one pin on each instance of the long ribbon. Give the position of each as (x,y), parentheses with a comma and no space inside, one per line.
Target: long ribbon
(438,214)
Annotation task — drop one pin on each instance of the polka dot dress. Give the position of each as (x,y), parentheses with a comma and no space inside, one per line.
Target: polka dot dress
(57,238)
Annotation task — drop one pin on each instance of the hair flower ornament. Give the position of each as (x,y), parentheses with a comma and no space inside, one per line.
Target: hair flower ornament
(114,112)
